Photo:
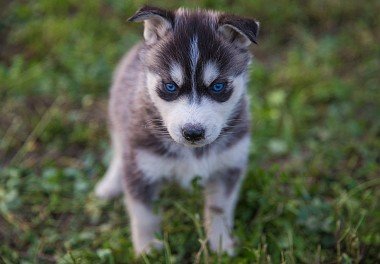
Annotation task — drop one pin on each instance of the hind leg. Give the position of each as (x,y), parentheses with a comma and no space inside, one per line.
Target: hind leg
(111,185)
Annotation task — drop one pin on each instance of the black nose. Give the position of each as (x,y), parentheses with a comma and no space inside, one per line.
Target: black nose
(193,132)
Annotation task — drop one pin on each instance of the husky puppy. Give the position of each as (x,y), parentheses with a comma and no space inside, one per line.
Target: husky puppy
(179,109)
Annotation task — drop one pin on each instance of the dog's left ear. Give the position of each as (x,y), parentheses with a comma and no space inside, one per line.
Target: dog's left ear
(157,22)
(239,30)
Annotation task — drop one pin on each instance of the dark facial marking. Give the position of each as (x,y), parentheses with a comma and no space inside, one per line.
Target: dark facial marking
(222,96)
(237,126)
(155,145)
(150,133)
(165,95)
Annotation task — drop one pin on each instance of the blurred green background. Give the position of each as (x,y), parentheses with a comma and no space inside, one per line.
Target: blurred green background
(312,190)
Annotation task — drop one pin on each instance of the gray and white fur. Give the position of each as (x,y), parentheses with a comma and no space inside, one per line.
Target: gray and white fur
(192,129)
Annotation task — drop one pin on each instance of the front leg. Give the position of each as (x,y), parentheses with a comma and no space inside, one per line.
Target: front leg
(145,223)
(221,195)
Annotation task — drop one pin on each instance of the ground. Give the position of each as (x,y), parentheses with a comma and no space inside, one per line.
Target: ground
(312,190)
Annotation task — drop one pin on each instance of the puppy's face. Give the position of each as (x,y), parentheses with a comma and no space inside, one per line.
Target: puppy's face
(196,65)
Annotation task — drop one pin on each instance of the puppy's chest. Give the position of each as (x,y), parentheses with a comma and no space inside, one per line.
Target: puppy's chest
(187,165)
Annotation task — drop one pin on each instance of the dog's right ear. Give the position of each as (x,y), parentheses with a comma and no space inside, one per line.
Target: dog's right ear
(157,22)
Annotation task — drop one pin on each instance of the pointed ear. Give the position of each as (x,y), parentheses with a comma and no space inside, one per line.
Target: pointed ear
(238,30)
(157,22)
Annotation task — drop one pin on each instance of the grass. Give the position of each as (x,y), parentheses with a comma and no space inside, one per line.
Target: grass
(312,190)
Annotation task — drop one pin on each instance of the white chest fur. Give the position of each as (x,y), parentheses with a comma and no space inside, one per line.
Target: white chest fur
(186,166)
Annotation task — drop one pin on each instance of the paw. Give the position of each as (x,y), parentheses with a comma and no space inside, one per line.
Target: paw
(106,189)
(146,247)
(223,243)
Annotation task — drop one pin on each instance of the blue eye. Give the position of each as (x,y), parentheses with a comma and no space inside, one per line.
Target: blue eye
(217,87)
(170,87)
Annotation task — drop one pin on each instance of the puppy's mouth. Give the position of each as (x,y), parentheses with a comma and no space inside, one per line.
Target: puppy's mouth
(194,144)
